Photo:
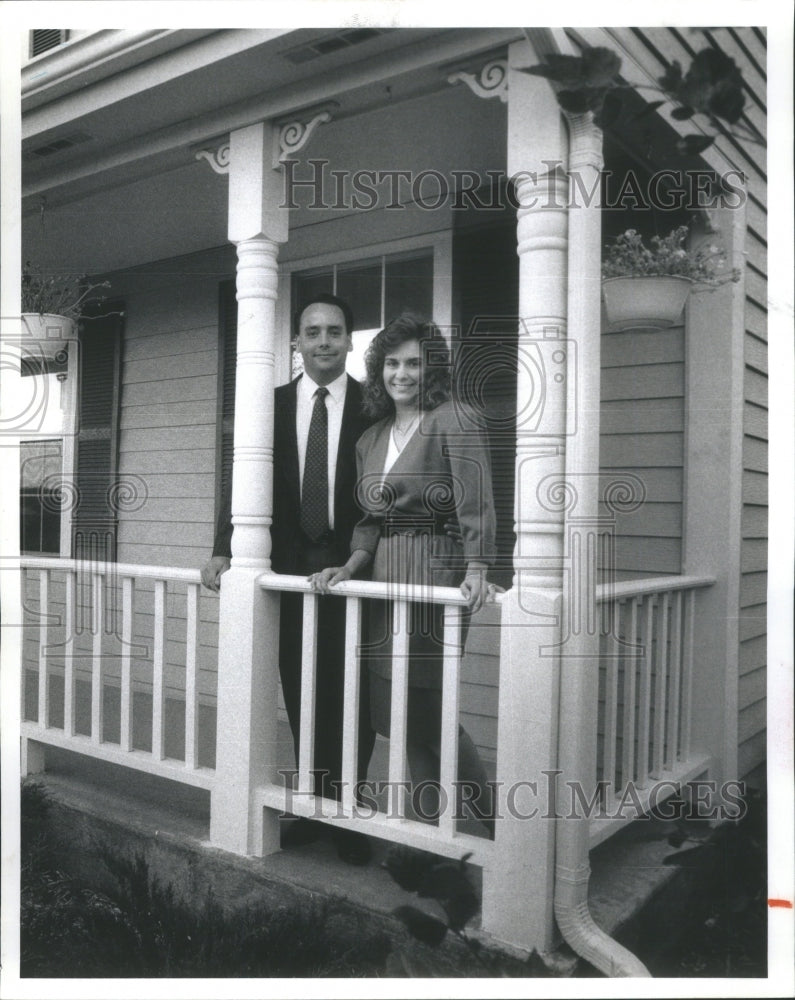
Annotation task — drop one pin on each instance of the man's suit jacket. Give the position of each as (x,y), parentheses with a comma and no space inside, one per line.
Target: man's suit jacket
(288,541)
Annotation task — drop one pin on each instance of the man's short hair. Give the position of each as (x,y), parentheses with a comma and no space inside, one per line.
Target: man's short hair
(325,298)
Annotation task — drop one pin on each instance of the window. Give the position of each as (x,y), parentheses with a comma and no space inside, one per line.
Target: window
(40,496)
(377,288)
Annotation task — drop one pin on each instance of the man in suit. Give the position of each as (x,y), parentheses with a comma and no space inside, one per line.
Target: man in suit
(314,513)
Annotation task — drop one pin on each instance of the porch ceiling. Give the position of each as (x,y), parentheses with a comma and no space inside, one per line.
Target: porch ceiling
(135,192)
(150,116)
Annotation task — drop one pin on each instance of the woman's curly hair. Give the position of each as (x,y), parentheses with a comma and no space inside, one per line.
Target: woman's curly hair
(435,354)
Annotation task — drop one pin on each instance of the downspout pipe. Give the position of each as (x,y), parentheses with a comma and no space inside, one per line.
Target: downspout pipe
(580,663)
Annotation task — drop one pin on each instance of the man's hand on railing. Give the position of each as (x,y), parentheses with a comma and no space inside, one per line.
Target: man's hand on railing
(476,588)
(213,570)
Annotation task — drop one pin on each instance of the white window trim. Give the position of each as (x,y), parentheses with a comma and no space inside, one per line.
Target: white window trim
(66,434)
(441,246)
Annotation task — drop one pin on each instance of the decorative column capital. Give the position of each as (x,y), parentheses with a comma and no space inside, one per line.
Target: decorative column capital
(492,81)
(294,135)
(585,146)
(218,157)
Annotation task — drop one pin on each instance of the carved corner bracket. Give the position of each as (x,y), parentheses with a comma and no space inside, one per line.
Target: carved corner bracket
(218,157)
(294,135)
(491,81)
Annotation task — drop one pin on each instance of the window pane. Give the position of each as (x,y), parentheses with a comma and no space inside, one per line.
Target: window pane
(40,477)
(360,285)
(311,283)
(409,285)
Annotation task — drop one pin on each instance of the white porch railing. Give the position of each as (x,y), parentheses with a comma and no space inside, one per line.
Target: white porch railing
(395,824)
(646,704)
(645,714)
(91,621)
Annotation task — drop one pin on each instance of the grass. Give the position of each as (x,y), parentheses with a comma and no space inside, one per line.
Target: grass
(140,929)
(724,931)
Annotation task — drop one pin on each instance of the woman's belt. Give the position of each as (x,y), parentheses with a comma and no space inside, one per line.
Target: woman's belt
(433,526)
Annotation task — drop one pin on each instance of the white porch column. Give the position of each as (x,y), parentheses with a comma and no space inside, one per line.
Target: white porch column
(713,511)
(248,630)
(518,891)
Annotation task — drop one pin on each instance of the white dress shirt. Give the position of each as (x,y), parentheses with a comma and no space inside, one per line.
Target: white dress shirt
(335,403)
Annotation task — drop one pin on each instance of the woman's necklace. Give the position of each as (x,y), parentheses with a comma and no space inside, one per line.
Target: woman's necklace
(401,434)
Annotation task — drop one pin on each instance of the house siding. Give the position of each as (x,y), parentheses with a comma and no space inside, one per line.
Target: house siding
(655,48)
(642,433)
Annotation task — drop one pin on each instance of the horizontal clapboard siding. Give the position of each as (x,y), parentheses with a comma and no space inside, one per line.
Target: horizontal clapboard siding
(642,389)
(658,48)
(753,553)
(650,52)
(168,406)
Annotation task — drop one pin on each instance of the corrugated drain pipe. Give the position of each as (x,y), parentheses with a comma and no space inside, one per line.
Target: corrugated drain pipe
(580,665)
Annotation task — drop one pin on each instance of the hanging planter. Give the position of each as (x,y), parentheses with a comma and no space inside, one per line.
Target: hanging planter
(646,287)
(46,336)
(644,302)
(52,304)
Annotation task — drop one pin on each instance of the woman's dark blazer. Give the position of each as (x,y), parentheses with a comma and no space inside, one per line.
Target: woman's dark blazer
(443,472)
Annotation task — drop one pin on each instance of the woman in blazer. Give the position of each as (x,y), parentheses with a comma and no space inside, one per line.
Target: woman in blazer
(423,464)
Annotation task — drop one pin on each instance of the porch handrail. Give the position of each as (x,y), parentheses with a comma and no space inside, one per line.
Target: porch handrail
(647,662)
(445,838)
(367,588)
(650,585)
(121,578)
(140,570)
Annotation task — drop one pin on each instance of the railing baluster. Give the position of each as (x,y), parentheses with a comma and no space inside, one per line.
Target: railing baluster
(128,610)
(645,695)
(660,685)
(687,678)
(306,741)
(448,763)
(397,738)
(673,754)
(69,655)
(611,704)
(630,671)
(158,671)
(191,674)
(350,715)
(44,639)
(97,627)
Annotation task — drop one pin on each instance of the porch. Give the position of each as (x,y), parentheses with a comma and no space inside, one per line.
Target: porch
(633,895)
(107,690)
(617,691)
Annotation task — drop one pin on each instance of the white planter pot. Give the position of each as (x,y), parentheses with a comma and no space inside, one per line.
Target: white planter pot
(644,302)
(46,335)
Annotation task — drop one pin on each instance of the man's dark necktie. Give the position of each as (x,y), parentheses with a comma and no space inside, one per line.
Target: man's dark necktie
(314,491)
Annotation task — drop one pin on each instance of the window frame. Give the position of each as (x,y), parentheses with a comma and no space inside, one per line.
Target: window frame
(65,435)
(440,244)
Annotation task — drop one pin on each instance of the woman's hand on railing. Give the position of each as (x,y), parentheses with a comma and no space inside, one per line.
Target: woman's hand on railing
(328,577)
(332,575)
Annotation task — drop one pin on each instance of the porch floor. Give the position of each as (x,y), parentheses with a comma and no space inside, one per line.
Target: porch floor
(169,824)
